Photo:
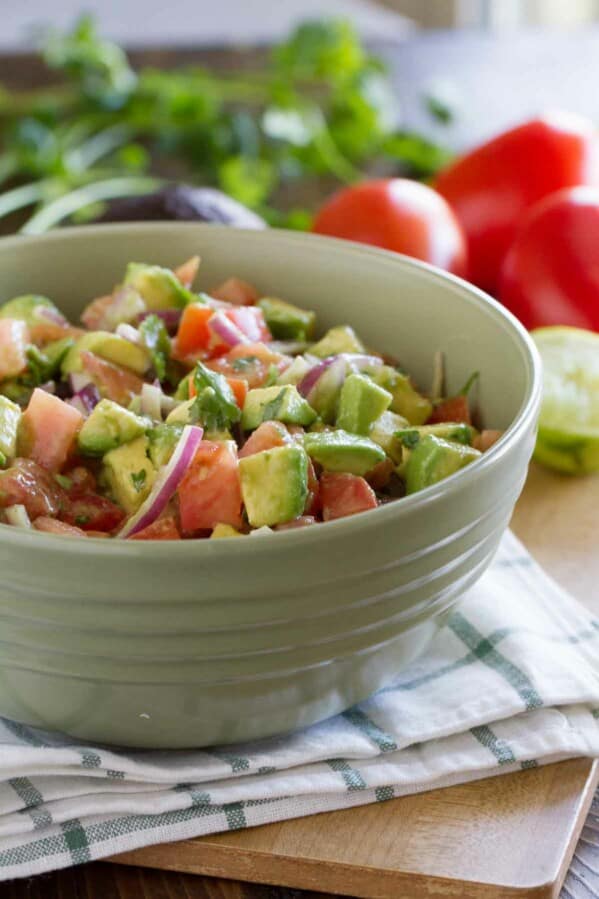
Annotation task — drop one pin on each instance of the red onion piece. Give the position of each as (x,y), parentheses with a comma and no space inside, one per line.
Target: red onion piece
(310,379)
(361,361)
(166,483)
(79,380)
(77,404)
(128,332)
(89,397)
(151,401)
(52,315)
(17,516)
(225,330)
(49,386)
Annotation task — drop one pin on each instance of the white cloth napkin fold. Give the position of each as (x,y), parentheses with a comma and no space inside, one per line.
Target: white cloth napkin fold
(512,682)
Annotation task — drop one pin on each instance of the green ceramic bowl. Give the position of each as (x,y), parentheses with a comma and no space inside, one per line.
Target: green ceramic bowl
(196,643)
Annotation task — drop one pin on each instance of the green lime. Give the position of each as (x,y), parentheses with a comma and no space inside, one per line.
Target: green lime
(568,438)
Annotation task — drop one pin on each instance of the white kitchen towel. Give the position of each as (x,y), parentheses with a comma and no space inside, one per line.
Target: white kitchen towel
(510,683)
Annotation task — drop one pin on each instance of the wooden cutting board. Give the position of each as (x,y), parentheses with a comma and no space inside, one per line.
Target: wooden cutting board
(501,837)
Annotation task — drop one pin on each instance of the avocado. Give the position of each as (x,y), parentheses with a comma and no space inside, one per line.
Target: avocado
(26,308)
(457,432)
(109,426)
(158,287)
(294,372)
(10,416)
(340,451)
(341,339)
(434,459)
(45,364)
(406,399)
(274,485)
(361,402)
(163,439)
(276,403)
(285,321)
(384,431)
(129,474)
(225,530)
(180,414)
(110,347)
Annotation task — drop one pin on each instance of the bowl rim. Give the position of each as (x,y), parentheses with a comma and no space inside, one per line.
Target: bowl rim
(387,513)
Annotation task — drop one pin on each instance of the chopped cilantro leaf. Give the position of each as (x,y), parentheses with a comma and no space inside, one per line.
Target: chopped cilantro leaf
(409,438)
(65,483)
(157,342)
(139,479)
(82,520)
(214,406)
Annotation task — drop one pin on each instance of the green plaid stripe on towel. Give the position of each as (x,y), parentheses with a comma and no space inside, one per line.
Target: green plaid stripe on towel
(512,682)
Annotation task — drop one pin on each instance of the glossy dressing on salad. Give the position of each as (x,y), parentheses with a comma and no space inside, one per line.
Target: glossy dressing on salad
(170,414)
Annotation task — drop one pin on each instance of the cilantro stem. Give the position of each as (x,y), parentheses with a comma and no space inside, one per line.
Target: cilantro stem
(54,212)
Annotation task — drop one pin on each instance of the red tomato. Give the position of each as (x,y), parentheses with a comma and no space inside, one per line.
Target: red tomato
(210,492)
(456,408)
(380,475)
(490,188)
(48,429)
(399,215)
(193,333)
(303,521)
(256,369)
(113,382)
(345,494)
(266,436)
(236,291)
(25,483)
(52,526)
(163,529)
(550,275)
(93,513)
(187,272)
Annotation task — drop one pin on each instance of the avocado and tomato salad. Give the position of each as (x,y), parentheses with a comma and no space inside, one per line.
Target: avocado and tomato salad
(172,414)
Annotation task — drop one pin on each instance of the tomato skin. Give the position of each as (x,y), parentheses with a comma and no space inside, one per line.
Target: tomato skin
(237,292)
(163,529)
(193,333)
(48,430)
(260,358)
(52,526)
(400,215)
(113,382)
(345,494)
(92,512)
(550,275)
(492,187)
(454,409)
(210,492)
(27,484)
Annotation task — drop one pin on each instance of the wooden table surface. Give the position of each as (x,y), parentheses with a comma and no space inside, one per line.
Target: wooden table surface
(500,81)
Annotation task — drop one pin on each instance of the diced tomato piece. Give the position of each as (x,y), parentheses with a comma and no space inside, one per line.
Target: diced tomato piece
(163,529)
(219,342)
(345,494)
(266,436)
(113,382)
(237,292)
(46,332)
(239,386)
(14,337)
(302,522)
(210,492)
(313,500)
(256,370)
(187,272)
(52,526)
(93,314)
(25,483)
(486,439)
(193,333)
(380,475)
(82,481)
(456,408)
(48,430)
(93,513)
(250,321)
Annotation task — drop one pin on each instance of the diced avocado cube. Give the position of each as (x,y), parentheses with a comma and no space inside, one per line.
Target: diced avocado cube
(158,287)
(457,432)
(434,459)
(129,474)
(163,439)
(341,339)
(181,413)
(110,347)
(287,322)
(340,451)
(274,485)
(361,402)
(406,399)
(109,426)
(45,364)
(10,416)
(294,372)
(26,308)
(384,432)
(225,530)
(276,403)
